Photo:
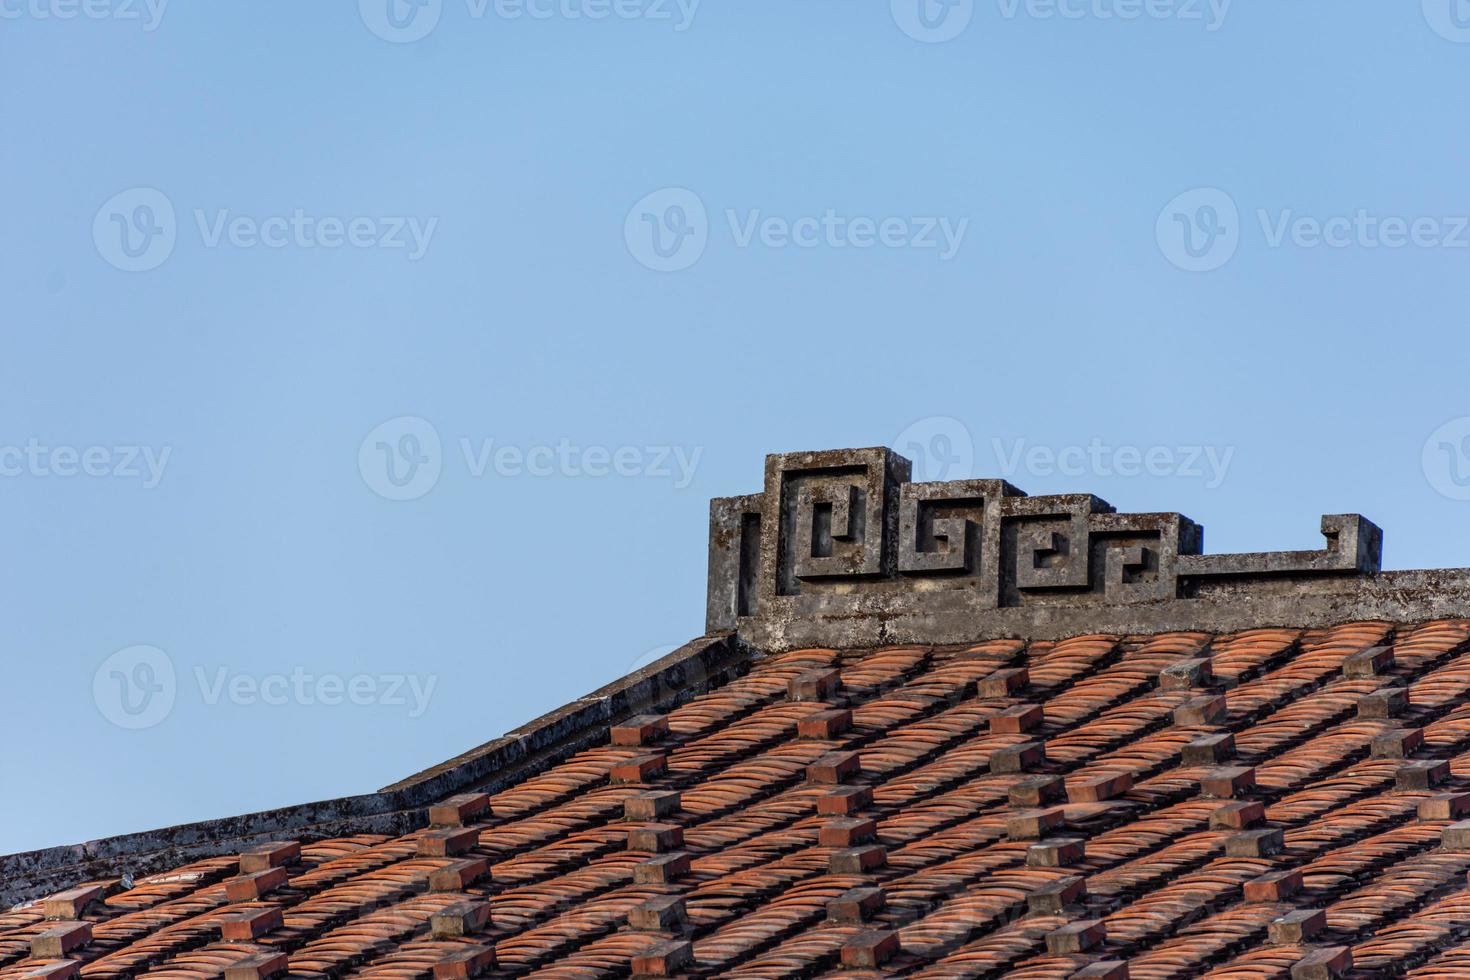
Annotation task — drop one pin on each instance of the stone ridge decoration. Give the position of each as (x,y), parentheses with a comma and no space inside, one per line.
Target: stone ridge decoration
(842,534)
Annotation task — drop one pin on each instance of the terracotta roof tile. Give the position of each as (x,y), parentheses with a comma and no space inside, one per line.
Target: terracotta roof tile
(1195,805)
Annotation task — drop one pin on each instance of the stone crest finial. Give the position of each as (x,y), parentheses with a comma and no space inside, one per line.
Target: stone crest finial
(841,535)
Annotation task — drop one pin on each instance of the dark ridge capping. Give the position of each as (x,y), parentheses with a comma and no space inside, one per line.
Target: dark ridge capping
(694,668)
(1406,598)
(841,550)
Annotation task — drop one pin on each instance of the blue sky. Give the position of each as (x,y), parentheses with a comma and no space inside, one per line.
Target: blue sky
(366,371)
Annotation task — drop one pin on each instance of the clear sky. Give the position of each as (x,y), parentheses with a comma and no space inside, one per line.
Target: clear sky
(366,369)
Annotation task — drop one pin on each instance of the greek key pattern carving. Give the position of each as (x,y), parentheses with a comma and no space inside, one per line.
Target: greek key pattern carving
(845,531)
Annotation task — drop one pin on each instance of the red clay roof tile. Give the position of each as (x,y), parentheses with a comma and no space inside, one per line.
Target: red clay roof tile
(1343,814)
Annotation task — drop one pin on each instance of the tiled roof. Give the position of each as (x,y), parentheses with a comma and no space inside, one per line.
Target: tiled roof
(1272,803)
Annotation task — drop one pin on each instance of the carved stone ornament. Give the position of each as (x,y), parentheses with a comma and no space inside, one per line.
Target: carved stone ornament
(839,547)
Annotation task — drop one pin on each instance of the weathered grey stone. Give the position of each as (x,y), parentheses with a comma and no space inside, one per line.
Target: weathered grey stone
(1266,842)
(1296,926)
(1323,964)
(1209,750)
(1367,663)
(734,555)
(852,554)
(1076,937)
(1421,774)
(856,905)
(1054,897)
(1397,744)
(1386,702)
(1186,674)
(1456,837)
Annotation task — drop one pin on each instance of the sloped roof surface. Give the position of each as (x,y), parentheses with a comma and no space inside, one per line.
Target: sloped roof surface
(1353,740)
